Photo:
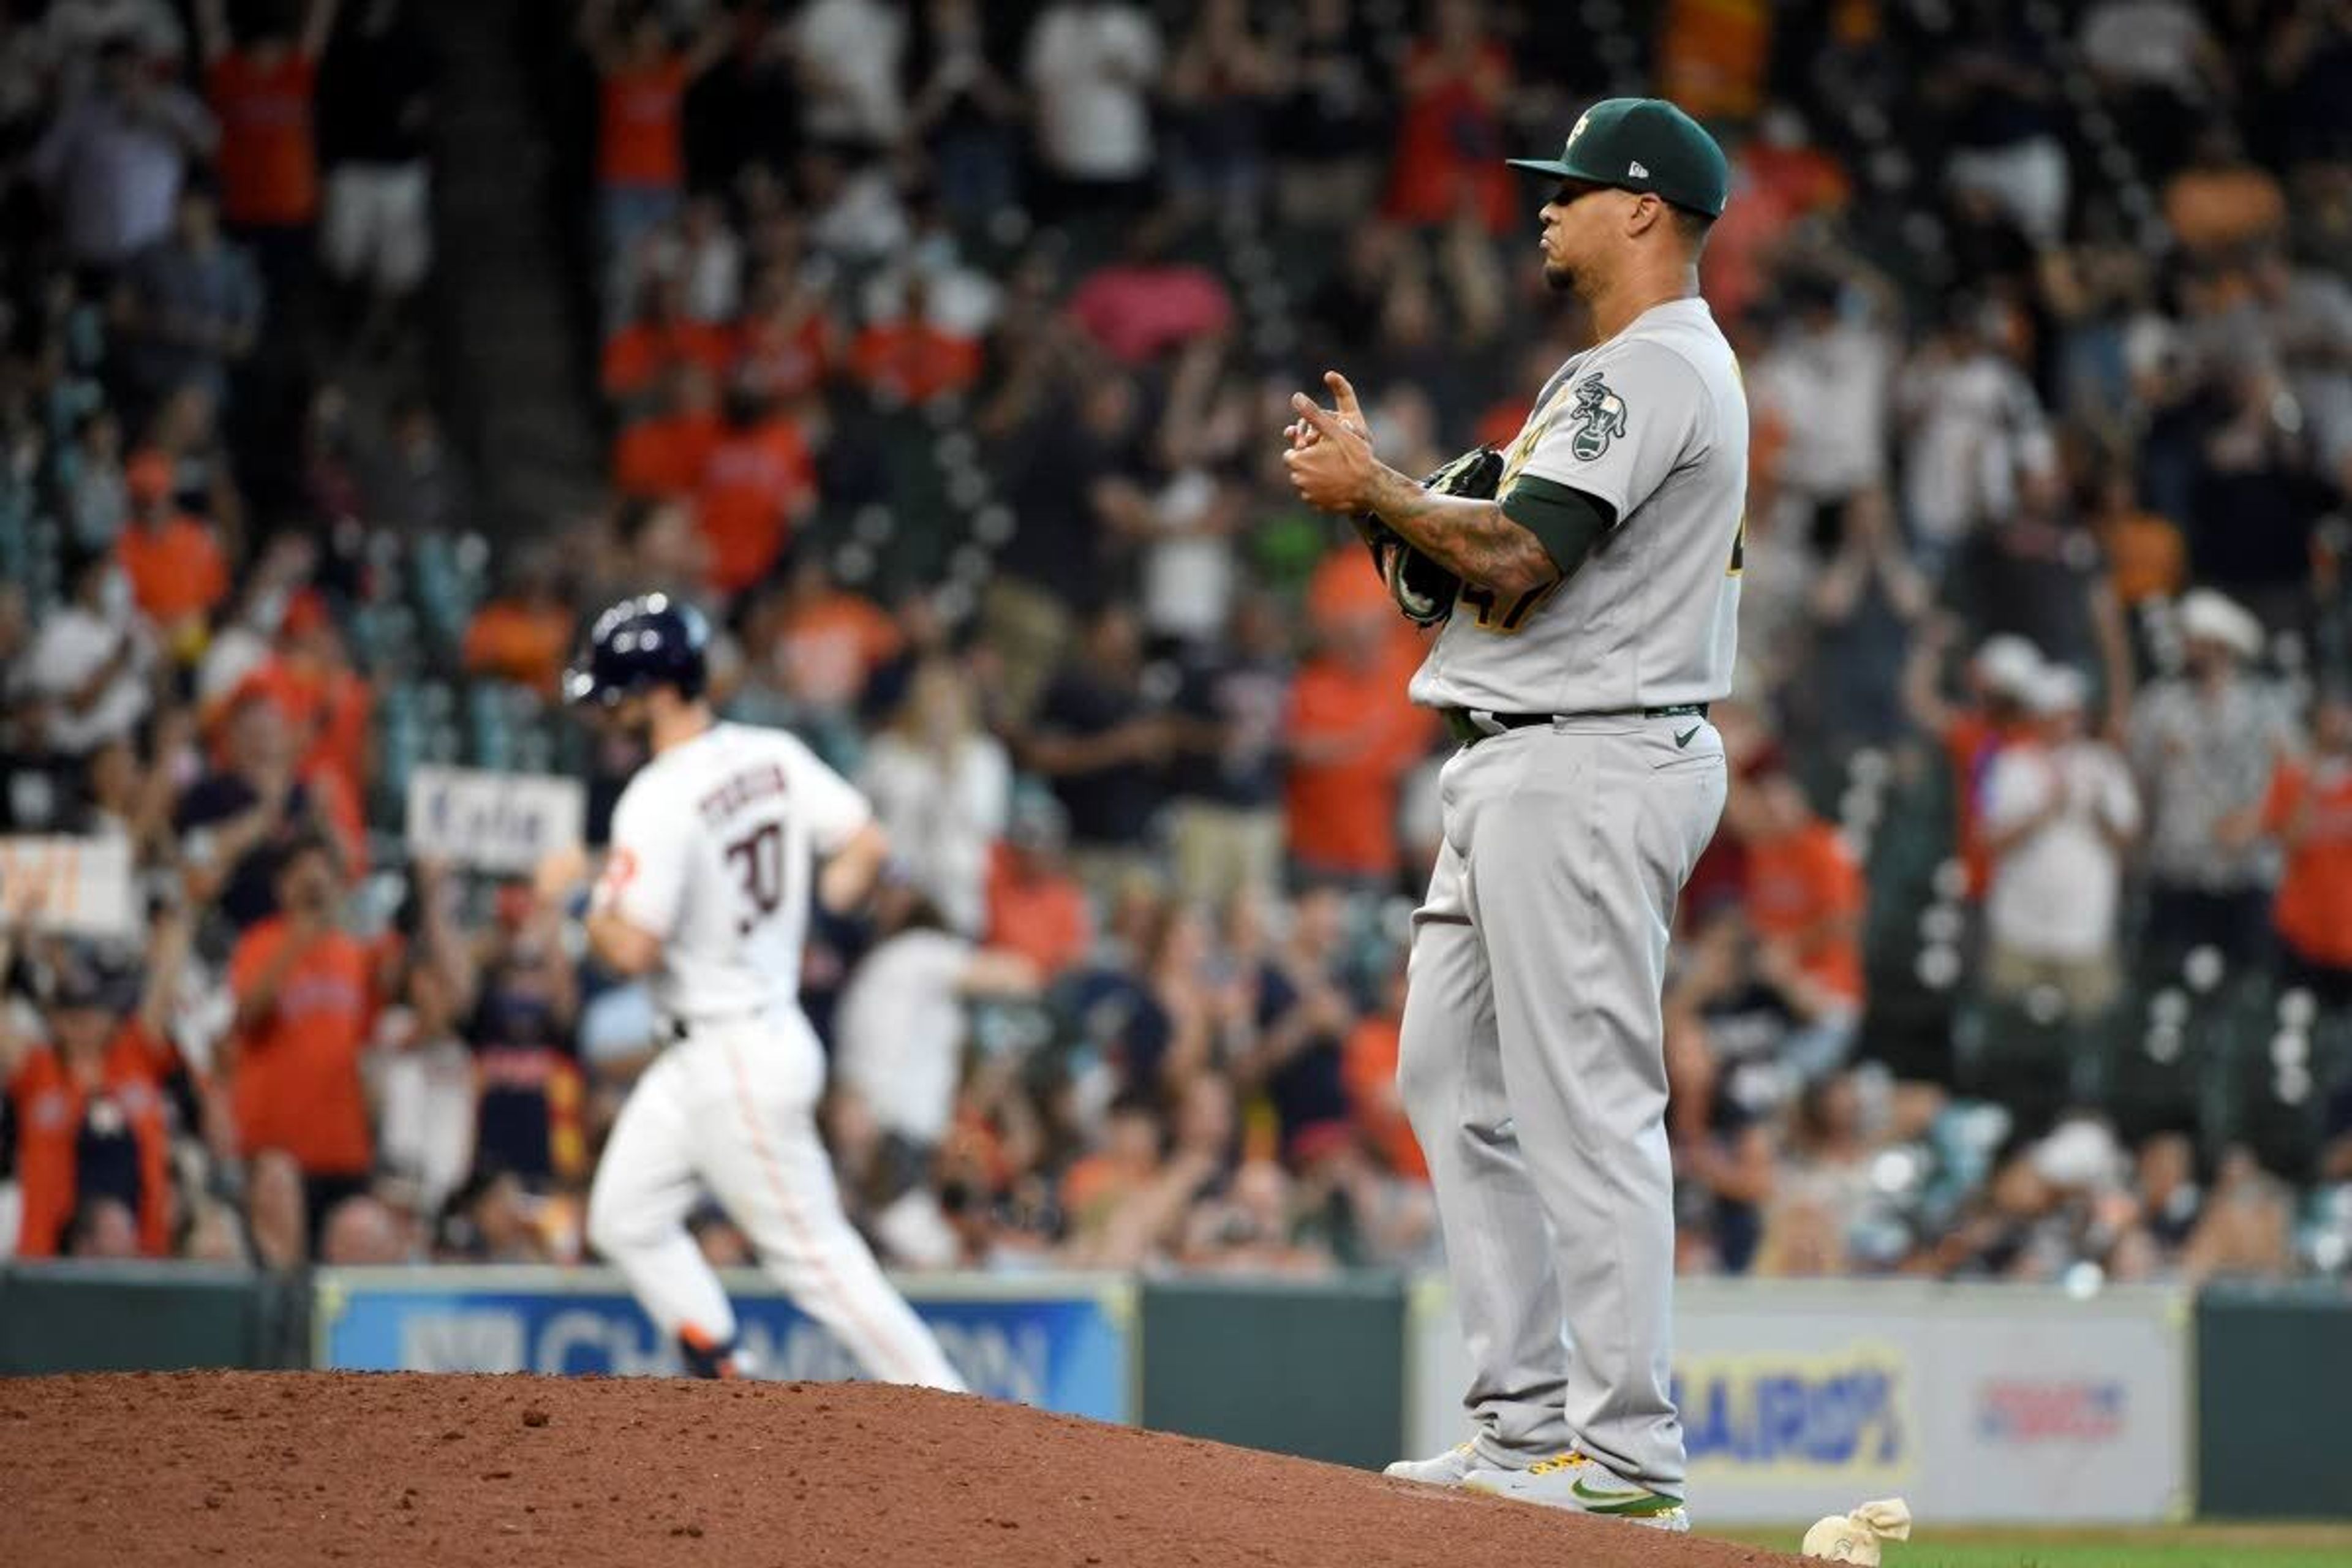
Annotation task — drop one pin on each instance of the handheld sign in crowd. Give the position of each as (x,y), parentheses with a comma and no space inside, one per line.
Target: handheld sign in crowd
(80,886)
(503,823)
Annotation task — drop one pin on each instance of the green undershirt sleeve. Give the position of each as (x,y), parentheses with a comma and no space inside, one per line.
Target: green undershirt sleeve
(1565,521)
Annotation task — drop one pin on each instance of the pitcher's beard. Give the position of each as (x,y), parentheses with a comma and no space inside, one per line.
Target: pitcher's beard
(1559,277)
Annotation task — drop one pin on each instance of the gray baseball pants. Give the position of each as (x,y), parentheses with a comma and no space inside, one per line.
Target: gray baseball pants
(1532,1065)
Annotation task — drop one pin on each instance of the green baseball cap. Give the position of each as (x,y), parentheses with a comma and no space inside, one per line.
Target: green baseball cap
(1643,144)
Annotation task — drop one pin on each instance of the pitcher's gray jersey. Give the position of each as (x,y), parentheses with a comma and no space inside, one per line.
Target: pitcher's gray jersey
(1653,423)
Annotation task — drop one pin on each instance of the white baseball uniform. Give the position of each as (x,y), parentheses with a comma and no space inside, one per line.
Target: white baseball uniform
(713,851)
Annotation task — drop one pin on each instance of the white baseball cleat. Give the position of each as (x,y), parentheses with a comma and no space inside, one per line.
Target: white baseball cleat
(1581,1485)
(1450,1468)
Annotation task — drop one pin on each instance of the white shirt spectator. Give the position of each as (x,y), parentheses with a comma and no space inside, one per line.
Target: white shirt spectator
(426,1110)
(2054,893)
(2147,43)
(1830,390)
(863,222)
(1188,565)
(900,1032)
(1975,424)
(850,56)
(1092,67)
(115,167)
(74,644)
(942,816)
(708,265)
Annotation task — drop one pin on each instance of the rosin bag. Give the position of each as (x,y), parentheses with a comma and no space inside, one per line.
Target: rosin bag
(1854,1537)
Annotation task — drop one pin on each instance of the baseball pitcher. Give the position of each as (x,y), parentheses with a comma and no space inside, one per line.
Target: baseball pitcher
(715,844)
(1590,622)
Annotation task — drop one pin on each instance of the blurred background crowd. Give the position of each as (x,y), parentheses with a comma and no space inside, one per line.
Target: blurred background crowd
(353,353)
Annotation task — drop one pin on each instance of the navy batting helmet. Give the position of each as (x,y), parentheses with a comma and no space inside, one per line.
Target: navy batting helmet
(641,643)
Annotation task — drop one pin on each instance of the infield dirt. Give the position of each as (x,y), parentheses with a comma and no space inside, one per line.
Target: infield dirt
(270,1468)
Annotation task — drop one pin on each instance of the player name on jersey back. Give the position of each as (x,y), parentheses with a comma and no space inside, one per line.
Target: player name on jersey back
(746,788)
(715,844)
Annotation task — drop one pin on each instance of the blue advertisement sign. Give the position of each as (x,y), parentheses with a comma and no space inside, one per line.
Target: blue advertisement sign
(1061,1343)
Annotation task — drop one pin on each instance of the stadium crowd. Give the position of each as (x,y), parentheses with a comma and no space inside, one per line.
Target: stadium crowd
(942,349)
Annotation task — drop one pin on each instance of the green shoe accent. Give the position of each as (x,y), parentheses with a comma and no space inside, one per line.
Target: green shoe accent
(1639,1507)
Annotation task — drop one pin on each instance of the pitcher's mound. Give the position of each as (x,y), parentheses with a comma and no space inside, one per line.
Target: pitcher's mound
(264,1469)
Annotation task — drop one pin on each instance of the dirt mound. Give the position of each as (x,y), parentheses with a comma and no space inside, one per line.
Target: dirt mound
(265,1469)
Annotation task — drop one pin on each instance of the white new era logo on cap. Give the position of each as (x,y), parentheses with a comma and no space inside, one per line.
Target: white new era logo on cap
(1637,172)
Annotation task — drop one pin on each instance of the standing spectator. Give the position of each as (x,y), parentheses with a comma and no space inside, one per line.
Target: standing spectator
(528,1116)
(1097,741)
(2038,573)
(663,455)
(942,787)
(1035,907)
(911,356)
(264,87)
(702,255)
(1721,1096)
(1330,129)
(1449,148)
(964,111)
(1226,828)
(641,112)
(900,1032)
(2204,744)
(1068,479)
(98,493)
(1971,732)
(92,1106)
(849,56)
(639,357)
(2060,811)
(236,823)
(89,667)
(1826,382)
(1222,84)
(178,571)
(1304,1015)
(2310,811)
(1351,738)
(188,309)
(115,158)
(526,633)
(1972,426)
(821,641)
(375,128)
(1714,56)
(757,485)
(303,1014)
(414,482)
(1805,889)
(1368,1068)
(785,345)
(2007,138)
(2159,67)
(1092,65)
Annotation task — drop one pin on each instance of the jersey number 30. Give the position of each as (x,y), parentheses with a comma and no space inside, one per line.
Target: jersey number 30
(758,860)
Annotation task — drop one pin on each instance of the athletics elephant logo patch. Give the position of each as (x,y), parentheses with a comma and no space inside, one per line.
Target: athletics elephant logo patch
(1598,417)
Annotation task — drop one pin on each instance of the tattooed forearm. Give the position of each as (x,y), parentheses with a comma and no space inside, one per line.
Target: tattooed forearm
(1470,538)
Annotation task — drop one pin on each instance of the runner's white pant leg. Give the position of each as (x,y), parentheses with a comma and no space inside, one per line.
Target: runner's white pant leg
(644,1189)
(761,1153)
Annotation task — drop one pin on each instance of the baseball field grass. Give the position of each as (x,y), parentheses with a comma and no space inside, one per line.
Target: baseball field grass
(2165,1546)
